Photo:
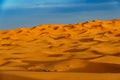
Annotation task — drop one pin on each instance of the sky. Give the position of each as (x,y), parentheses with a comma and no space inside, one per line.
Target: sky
(27,13)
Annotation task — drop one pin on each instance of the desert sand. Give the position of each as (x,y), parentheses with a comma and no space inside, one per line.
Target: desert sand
(87,50)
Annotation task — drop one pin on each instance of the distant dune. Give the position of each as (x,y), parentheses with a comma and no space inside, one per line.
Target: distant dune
(88,47)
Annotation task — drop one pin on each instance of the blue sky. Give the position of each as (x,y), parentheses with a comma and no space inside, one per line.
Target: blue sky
(28,13)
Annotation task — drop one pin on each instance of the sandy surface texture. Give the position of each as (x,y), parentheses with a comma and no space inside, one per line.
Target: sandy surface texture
(13,75)
(87,47)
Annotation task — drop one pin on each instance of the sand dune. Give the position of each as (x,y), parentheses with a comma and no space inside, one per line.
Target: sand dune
(88,47)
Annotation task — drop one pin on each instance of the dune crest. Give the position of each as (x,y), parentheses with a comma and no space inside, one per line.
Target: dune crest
(90,47)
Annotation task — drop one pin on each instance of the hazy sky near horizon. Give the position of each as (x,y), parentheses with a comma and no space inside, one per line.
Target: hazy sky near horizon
(27,13)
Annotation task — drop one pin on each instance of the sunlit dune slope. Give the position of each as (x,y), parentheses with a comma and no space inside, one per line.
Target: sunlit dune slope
(92,46)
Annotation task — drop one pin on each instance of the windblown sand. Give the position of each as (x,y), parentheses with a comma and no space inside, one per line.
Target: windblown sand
(89,47)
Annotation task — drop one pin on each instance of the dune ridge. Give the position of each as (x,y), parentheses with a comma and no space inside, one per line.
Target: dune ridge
(88,47)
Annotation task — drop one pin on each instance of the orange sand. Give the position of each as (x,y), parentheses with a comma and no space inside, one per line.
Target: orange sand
(89,47)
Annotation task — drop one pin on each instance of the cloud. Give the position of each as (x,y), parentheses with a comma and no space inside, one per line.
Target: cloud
(74,5)
(20,3)
(58,4)
(25,4)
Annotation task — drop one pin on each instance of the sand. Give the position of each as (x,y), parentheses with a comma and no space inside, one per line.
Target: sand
(13,75)
(87,49)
